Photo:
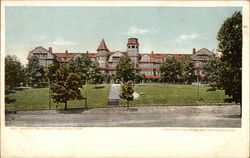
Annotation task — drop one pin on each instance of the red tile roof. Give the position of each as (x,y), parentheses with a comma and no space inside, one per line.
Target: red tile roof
(160,56)
(103,55)
(149,62)
(91,55)
(102,46)
(152,76)
(133,41)
(181,55)
(65,55)
(141,68)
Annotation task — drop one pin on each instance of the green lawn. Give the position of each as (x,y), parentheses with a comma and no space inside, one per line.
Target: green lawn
(150,94)
(169,94)
(37,98)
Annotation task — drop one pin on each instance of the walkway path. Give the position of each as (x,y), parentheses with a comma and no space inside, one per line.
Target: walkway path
(114,92)
(141,116)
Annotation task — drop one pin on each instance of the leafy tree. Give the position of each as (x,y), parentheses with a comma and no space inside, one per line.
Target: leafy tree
(214,69)
(170,70)
(186,69)
(95,74)
(81,65)
(52,70)
(138,78)
(14,72)
(65,86)
(124,69)
(35,73)
(230,44)
(127,92)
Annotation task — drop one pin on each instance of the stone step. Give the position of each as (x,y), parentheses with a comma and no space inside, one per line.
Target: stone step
(113,102)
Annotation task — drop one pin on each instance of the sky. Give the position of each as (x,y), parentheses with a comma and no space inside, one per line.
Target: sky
(80,29)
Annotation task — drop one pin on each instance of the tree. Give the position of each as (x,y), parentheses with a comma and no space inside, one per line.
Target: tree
(138,78)
(230,45)
(65,86)
(35,73)
(52,70)
(127,92)
(125,69)
(186,69)
(95,74)
(14,72)
(81,66)
(170,70)
(214,69)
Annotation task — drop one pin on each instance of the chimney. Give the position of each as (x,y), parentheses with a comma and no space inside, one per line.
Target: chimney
(50,49)
(66,51)
(152,52)
(194,51)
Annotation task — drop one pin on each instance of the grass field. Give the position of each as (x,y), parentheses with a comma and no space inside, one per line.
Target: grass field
(37,98)
(150,94)
(168,94)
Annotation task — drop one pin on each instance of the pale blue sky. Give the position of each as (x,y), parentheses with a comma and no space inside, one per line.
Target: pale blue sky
(80,29)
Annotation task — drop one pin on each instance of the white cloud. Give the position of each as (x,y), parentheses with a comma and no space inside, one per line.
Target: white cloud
(185,37)
(41,37)
(136,31)
(61,42)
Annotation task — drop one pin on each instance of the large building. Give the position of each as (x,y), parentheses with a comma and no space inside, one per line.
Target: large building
(145,64)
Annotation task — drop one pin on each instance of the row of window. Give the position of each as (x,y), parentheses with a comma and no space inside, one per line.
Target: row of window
(201,56)
(132,46)
(42,55)
(149,65)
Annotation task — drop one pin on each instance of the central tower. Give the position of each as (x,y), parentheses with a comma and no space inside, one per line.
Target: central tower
(133,46)
(133,50)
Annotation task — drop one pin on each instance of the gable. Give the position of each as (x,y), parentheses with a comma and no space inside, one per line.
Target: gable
(40,50)
(202,53)
(145,58)
(115,56)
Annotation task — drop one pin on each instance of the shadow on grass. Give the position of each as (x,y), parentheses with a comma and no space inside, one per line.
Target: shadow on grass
(9,101)
(13,90)
(98,87)
(72,110)
(7,92)
(18,88)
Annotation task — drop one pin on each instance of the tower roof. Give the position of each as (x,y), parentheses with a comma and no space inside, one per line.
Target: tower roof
(133,41)
(102,46)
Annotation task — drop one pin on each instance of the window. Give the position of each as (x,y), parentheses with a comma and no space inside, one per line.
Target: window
(136,46)
(129,47)
(133,46)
